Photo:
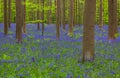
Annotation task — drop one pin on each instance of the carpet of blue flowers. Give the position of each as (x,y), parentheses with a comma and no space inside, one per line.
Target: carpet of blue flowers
(45,57)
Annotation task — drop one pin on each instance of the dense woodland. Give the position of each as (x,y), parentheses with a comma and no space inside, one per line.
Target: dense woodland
(48,25)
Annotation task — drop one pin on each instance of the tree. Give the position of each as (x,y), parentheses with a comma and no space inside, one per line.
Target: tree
(63,13)
(88,30)
(58,19)
(49,11)
(24,16)
(9,13)
(38,15)
(5,18)
(113,27)
(71,23)
(101,14)
(19,21)
(42,17)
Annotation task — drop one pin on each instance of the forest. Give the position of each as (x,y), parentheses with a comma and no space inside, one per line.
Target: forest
(59,38)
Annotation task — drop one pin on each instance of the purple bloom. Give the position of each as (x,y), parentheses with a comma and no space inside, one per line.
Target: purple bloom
(69,75)
(112,72)
(78,76)
(85,75)
(57,56)
(33,59)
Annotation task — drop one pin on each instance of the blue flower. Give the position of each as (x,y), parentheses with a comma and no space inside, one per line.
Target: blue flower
(33,59)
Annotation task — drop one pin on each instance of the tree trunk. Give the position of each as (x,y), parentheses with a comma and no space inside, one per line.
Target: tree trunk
(63,18)
(58,19)
(113,27)
(101,14)
(9,13)
(71,23)
(88,31)
(49,12)
(5,18)
(43,18)
(19,21)
(24,16)
(38,15)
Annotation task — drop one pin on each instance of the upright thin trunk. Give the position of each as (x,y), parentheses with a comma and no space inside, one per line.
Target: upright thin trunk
(113,27)
(63,18)
(88,31)
(79,13)
(5,18)
(118,12)
(101,14)
(49,12)
(9,13)
(58,19)
(43,18)
(24,15)
(19,21)
(71,23)
(38,15)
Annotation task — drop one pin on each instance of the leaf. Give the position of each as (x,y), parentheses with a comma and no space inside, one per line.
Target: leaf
(116,35)
(6,57)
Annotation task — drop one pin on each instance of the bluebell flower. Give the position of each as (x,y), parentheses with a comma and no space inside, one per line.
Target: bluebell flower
(69,75)
(33,59)
(3,61)
(78,76)
(85,75)
(9,61)
(112,72)
(57,56)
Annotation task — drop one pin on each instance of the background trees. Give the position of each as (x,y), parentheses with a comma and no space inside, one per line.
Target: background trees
(49,11)
(62,13)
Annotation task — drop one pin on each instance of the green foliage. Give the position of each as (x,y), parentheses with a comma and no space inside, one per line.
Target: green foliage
(33,7)
(117,35)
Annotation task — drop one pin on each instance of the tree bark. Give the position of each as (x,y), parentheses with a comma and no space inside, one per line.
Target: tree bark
(5,18)
(58,19)
(101,14)
(19,21)
(88,30)
(38,15)
(71,23)
(9,13)
(24,16)
(43,18)
(63,18)
(113,23)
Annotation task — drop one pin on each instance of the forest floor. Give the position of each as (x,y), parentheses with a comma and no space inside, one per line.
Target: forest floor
(45,57)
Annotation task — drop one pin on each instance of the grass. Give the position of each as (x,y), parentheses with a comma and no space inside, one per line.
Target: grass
(49,58)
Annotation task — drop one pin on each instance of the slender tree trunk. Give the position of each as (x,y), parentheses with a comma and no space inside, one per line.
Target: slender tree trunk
(101,14)
(43,18)
(24,15)
(19,21)
(79,12)
(63,18)
(50,14)
(5,18)
(58,19)
(113,27)
(71,18)
(118,12)
(88,31)
(38,15)
(9,13)
(60,13)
